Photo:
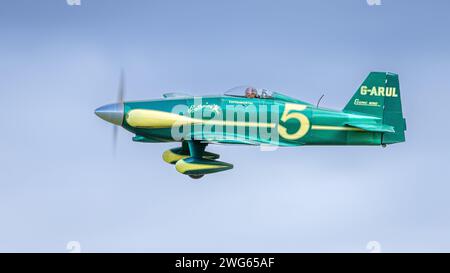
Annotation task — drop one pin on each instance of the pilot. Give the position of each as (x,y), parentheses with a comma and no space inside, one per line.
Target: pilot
(251,93)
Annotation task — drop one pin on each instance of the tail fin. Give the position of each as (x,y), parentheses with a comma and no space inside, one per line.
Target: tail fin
(379,96)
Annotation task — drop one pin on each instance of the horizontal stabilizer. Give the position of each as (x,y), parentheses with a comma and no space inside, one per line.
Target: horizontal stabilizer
(381,128)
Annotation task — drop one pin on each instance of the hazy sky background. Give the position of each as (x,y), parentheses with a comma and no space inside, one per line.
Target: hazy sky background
(60,182)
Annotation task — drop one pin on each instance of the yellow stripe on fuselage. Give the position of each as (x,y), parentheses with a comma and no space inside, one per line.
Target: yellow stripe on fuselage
(335,128)
(154,119)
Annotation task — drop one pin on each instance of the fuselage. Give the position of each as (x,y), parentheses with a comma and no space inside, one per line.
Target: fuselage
(240,120)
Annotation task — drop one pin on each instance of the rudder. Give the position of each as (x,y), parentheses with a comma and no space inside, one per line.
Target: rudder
(393,113)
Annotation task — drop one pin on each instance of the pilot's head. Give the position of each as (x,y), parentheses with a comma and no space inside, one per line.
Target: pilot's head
(250,92)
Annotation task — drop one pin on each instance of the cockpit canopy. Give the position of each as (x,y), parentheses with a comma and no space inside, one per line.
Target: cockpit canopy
(246,91)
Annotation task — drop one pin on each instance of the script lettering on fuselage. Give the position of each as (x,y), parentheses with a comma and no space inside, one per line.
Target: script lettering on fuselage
(379,91)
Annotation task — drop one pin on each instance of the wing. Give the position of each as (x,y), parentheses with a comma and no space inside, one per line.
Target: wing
(224,138)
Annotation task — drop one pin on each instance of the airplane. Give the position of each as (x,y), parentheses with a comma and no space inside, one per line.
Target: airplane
(251,116)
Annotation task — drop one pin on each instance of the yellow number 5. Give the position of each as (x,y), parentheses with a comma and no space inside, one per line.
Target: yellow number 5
(302,119)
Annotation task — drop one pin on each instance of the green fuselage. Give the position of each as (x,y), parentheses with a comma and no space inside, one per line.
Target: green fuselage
(239,120)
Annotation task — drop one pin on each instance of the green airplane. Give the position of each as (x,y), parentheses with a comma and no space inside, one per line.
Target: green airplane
(250,116)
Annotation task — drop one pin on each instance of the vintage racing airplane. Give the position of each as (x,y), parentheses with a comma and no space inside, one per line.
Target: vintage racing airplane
(246,115)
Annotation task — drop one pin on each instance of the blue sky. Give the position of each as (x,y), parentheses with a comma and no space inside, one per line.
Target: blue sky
(60,181)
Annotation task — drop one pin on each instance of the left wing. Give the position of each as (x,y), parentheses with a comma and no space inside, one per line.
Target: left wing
(224,138)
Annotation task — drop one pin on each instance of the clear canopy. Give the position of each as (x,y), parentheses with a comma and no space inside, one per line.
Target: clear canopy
(247,91)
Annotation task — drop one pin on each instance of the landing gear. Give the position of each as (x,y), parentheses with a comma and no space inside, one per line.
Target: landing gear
(196,176)
(200,162)
(383,145)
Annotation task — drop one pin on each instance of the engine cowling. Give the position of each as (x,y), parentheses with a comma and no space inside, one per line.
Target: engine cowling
(201,166)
